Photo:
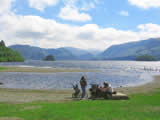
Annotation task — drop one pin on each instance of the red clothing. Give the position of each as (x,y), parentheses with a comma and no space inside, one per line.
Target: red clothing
(103,89)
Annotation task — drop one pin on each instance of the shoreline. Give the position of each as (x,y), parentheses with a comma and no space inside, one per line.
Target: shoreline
(41,70)
(146,88)
(11,95)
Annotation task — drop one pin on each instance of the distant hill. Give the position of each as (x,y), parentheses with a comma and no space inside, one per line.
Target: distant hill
(29,52)
(129,51)
(8,55)
(61,54)
(36,53)
(65,53)
(82,54)
(76,51)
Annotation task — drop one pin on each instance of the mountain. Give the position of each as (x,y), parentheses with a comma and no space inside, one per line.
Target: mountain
(36,53)
(61,54)
(29,52)
(8,55)
(76,51)
(64,53)
(83,54)
(129,51)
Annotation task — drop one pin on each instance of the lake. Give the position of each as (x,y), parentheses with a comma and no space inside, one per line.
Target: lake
(117,73)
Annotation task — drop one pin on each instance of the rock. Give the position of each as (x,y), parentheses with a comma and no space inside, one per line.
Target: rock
(120,96)
(1,83)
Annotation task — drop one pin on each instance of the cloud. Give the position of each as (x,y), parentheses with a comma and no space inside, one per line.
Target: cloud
(87,6)
(124,13)
(72,13)
(5,6)
(149,31)
(75,10)
(72,10)
(42,4)
(145,3)
(47,33)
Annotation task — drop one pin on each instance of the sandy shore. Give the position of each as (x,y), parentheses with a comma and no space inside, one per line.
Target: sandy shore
(22,96)
(41,70)
(147,88)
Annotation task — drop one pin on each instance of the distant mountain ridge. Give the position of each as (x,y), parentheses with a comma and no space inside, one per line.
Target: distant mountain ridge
(64,53)
(129,51)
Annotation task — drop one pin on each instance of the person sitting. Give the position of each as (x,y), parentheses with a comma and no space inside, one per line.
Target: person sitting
(109,88)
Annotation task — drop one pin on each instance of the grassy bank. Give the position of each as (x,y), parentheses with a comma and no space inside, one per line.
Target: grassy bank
(3,68)
(139,107)
(40,70)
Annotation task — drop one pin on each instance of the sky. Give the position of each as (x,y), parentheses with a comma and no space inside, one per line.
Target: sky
(86,24)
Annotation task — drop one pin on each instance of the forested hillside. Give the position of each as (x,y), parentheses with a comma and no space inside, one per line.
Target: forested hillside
(129,51)
(8,55)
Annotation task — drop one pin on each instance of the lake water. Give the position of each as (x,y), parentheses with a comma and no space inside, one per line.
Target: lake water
(117,73)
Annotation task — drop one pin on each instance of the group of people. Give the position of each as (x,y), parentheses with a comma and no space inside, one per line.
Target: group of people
(106,88)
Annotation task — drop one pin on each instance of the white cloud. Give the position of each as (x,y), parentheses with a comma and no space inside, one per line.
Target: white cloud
(72,13)
(149,31)
(5,6)
(42,4)
(75,10)
(124,13)
(146,3)
(46,33)
(87,6)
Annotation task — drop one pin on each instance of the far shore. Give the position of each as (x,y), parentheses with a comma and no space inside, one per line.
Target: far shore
(55,95)
(41,69)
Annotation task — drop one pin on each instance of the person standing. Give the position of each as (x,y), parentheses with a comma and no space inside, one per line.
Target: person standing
(83,84)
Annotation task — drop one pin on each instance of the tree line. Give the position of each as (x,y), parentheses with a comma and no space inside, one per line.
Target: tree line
(8,55)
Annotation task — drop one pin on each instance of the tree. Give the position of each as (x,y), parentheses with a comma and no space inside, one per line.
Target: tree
(2,43)
(146,58)
(8,55)
(49,58)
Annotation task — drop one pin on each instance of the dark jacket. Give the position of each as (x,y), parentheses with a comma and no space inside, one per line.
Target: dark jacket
(83,82)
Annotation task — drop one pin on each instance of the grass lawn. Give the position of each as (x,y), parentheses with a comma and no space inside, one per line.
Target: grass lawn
(41,70)
(139,107)
(3,68)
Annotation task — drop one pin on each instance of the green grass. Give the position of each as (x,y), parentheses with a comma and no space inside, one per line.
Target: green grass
(3,68)
(139,107)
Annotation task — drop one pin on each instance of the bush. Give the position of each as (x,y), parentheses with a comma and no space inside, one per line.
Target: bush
(146,58)
(8,55)
(49,58)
